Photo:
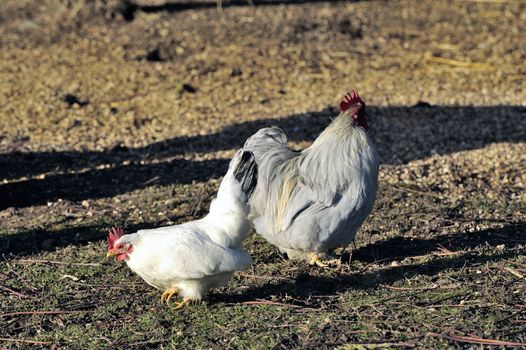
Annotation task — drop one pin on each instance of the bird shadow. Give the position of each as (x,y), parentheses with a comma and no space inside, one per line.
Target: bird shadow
(398,248)
(402,134)
(309,284)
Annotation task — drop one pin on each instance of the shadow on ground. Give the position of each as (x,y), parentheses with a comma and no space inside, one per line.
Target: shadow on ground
(35,240)
(129,8)
(398,248)
(402,134)
(98,183)
(190,5)
(307,285)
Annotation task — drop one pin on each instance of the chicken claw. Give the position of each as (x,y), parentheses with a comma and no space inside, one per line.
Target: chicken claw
(168,294)
(317,259)
(181,304)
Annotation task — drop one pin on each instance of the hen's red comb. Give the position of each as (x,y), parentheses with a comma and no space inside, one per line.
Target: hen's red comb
(113,235)
(350,99)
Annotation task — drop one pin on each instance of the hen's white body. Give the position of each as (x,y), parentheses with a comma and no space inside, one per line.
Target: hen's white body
(196,256)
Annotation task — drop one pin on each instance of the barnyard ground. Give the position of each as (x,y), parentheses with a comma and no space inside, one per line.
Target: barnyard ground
(127,112)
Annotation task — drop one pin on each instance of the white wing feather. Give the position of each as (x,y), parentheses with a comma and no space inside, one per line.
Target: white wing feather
(183,252)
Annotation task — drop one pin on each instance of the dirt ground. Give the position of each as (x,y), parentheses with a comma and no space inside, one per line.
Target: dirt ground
(127,112)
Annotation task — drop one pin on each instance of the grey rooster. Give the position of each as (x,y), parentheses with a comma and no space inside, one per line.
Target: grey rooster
(312,202)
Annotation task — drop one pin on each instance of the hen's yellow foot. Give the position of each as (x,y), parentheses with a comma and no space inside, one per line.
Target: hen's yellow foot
(168,294)
(183,303)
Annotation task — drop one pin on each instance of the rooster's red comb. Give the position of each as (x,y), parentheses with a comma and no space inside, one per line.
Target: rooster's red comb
(350,99)
(113,235)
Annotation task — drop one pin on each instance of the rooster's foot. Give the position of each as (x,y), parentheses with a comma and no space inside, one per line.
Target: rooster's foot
(168,294)
(318,260)
(183,303)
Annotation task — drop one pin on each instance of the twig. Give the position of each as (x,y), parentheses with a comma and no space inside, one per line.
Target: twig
(54,262)
(449,253)
(519,264)
(477,340)
(514,272)
(457,63)
(22,295)
(153,179)
(461,305)
(443,251)
(43,312)
(384,344)
(26,341)
(148,342)
(409,289)
(108,286)
(197,204)
(268,302)
(493,1)
(25,280)
(510,316)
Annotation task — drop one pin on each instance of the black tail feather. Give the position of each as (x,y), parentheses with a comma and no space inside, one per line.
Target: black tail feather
(246,173)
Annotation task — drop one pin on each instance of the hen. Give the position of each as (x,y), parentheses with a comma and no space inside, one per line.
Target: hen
(188,260)
(312,202)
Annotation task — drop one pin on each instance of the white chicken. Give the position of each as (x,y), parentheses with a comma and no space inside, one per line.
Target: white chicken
(312,202)
(188,260)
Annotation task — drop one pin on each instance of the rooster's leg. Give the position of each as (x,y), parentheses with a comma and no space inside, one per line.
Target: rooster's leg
(168,294)
(344,254)
(183,303)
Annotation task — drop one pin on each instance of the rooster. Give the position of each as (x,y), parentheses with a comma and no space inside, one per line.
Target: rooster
(312,202)
(188,260)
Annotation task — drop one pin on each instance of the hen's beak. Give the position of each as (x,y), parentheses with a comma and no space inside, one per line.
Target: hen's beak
(111,253)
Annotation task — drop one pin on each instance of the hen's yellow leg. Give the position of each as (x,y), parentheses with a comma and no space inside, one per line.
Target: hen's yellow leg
(168,294)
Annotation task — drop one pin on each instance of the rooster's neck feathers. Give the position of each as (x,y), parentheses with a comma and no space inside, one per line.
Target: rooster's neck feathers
(343,153)
(341,129)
